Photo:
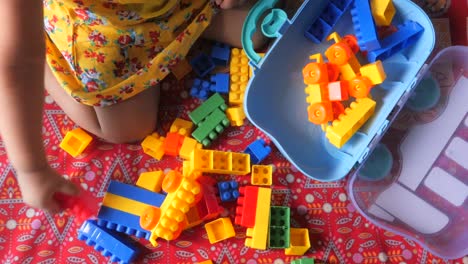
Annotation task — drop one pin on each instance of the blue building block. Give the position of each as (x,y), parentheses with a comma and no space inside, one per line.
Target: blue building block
(220,83)
(228,191)
(324,24)
(122,222)
(364,26)
(220,54)
(408,33)
(119,248)
(200,89)
(136,193)
(202,65)
(258,151)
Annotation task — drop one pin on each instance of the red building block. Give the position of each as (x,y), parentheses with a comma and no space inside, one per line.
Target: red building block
(338,91)
(338,109)
(246,206)
(172,143)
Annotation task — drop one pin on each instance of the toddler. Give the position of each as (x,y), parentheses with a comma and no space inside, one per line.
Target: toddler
(100,60)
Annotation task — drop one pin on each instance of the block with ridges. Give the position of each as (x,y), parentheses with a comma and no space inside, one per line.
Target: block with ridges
(122,222)
(246,206)
(240,75)
(201,112)
(181,126)
(220,83)
(317,93)
(228,190)
(220,54)
(262,175)
(151,180)
(364,26)
(188,146)
(236,115)
(279,227)
(258,151)
(257,236)
(213,161)
(299,242)
(200,89)
(209,129)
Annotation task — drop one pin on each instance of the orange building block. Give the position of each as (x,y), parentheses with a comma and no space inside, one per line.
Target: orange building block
(338,91)
(181,126)
(359,87)
(320,113)
(172,143)
(153,146)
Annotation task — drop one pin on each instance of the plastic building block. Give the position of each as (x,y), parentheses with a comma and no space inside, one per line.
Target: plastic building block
(228,191)
(151,180)
(279,227)
(172,143)
(219,229)
(374,72)
(339,53)
(122,222)
(208,206)
(153,146)
(118,248)
(168,220)
(131,199)
(220,83)
(408,33)
(202,65)
(206,262)
(338,91)
(320,113)
(364,25)
(181,69)
(315,72)
(303,261)
(79,206)
(382,11)
(324,24)
(317,93)
(240,75)
(352,42)
(359,87)
(262,175)
(258,151)
(348,123)
(299,242)
(236,115)
(257,236)
(342,54)
(221,53)
(193,218)
(201,112)
(211,127)
(187,147)
(75,141)
(181,126)
(213,161)
(200,89)
(246,206)
(338,109)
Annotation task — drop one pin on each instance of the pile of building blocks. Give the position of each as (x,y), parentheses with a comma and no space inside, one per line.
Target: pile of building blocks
(331,84)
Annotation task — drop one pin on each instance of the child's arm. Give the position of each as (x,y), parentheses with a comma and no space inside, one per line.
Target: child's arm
(22,55)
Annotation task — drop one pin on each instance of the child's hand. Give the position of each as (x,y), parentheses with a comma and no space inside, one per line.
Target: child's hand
(227,4)
(38,188)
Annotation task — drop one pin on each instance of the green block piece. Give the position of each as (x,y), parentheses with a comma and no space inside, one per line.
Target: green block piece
(279,227)
(211,127)
(213,103)
(303,261)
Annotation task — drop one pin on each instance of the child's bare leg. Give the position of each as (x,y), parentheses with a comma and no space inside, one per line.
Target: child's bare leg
(128,121)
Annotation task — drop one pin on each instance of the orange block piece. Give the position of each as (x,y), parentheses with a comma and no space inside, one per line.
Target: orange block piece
(315,73)
(339,53)
(188,146)
(338,91)
(320,113)
(181,126)
(181,69)
(75,141)
(352,42)
(153,146)
(338,109)
(359,87)
(172,143)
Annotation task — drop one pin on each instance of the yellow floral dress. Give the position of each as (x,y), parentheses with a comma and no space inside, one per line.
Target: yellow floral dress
(106,51)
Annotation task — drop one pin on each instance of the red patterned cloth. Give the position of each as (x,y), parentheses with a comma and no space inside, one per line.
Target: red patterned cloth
(338,233)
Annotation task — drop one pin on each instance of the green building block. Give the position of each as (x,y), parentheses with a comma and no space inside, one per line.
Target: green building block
(209,129)
(204,110)
(303,261)
(279,227)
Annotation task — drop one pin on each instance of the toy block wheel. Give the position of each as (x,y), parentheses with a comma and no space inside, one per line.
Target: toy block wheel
(359,87)
(315,73)
(150,217)
(339,53)
(172,181)
(352,43)
(320,113)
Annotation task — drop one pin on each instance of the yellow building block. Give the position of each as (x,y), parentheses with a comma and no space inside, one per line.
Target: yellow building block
(262,175)
(257,236)
(343,128)
(236,115)
(317,93)
(151,180)
(153,146)
(374,71)
(181,126)
(239,71)
(219,229)
(165,221)
(213,161)
(75,141)
(383,12)
(299,242)
(206,262)
(124,204)
(188,146)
